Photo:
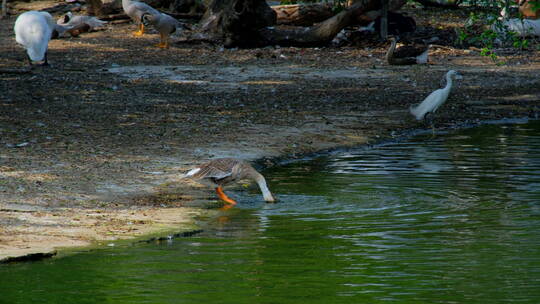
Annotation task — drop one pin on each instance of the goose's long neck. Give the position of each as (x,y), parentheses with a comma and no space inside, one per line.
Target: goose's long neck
(390,53)
(262,185)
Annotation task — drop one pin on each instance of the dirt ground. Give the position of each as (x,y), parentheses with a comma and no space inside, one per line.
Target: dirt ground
(91,148)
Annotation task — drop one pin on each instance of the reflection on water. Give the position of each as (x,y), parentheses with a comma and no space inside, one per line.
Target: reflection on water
(454,219)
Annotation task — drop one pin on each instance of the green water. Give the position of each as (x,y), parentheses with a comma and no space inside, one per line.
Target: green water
(450,219)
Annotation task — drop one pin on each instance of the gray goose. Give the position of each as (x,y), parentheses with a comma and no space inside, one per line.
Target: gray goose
(135,10)
(407,54)
(164,24)
(220,172)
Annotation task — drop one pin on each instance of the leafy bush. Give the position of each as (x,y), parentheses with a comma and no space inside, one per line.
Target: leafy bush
(487,31)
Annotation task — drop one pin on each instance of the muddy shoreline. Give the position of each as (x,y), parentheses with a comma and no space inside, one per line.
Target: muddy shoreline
(91,151)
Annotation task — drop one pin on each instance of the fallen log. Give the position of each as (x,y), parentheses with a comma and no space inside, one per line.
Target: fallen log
(193,16)
(114,17)
(59,8)
(441,3)
(122,21)
(303,14)
(247,23)
(320,34)
(309,14)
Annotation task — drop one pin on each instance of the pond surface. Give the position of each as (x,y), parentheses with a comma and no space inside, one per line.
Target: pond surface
(449,219)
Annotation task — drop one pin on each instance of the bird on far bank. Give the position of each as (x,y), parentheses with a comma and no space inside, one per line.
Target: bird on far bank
(33,30)
(220,172)
(407,54)
(164,24)
(135,10)
(434,100)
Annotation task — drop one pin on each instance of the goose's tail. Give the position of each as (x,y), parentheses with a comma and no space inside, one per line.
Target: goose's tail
(95,22)
(190,173)
(422,58)
(38,43)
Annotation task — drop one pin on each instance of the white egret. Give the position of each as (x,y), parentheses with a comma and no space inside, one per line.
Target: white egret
(435,99)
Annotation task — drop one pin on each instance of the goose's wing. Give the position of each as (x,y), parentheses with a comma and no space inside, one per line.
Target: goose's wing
(216,169)
(139,8)
(167,24)
(93,22)
(409,51)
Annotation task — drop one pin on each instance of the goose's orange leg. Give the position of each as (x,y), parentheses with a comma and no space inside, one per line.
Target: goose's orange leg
(164,43)
(140,32)
(223,196)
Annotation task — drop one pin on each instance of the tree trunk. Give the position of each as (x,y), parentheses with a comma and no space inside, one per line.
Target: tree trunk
(528,10)
(4,9)
(236,22)
(384,19)
(95,7)
(190,7)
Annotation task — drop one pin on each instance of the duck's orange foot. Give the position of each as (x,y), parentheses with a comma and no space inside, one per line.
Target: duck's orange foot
(138,33)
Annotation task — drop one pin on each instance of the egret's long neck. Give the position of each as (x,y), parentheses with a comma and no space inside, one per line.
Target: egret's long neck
(448,82)
(262,185)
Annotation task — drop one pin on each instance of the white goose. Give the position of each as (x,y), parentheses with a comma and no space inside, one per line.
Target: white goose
(33,30)
(224,171)
(435,99)
(135,10)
